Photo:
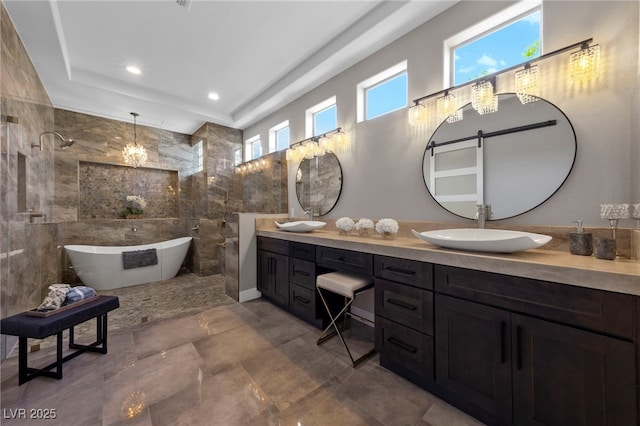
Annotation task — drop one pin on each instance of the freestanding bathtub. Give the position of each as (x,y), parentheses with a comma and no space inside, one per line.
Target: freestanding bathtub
(101,267)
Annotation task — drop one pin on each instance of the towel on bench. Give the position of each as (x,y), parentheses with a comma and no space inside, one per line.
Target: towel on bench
(79,293)
(139,258)
(55,298)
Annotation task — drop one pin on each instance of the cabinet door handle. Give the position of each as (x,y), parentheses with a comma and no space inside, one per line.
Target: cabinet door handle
(503,342)
(302,299)
(402,304)
(272,265)
(400,270)
(519,347)
(402,345)
(299,272)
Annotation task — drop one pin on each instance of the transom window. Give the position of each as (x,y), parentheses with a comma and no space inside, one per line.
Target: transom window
(252,148)
(200,154)
(509,38)
(279,138)
(382,93)
(321,118)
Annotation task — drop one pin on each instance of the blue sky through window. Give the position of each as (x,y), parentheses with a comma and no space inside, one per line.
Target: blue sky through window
(325,120)
(282,138)
(256,149)
(498,50)
(387,96)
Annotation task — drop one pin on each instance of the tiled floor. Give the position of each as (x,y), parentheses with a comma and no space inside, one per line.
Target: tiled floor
(231,364)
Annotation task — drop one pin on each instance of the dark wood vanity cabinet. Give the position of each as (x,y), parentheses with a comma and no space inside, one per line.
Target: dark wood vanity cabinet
(507,350)
(404,317)
(287,276)
(273,269)
(304,301)
(344,260)
(511,366)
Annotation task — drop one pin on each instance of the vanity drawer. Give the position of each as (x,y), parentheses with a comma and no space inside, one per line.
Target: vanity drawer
(598,310)
(302,301)
(302,251)
(302,272)
(418,274)
(345,260)
(404,346)
(406,305)
(273,245)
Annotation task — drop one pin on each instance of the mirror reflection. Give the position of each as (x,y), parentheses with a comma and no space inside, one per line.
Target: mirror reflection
(513,159)
(319,183)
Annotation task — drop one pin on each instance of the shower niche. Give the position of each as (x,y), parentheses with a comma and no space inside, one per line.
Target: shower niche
(103,190)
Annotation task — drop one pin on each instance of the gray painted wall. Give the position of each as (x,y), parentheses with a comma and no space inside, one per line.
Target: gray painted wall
(382,174)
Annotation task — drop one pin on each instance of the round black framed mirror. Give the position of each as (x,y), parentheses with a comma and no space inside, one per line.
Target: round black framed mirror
(512,160)
(319,183)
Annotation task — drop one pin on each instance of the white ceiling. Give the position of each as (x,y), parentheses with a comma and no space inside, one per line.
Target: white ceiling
(257,55)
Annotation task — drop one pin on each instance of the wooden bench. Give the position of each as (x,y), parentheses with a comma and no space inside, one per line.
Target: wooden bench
(25,326)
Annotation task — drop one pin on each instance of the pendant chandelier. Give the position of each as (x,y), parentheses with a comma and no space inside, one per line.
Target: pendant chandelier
(133,154)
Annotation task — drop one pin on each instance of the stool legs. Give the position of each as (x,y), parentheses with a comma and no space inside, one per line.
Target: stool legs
(326,335)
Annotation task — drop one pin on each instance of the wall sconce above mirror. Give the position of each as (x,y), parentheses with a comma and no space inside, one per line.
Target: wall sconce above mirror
(513,159)
(584,66)
(335,141)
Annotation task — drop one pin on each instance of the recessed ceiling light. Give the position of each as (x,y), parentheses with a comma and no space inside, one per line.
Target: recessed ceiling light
(133,69)
(214,96)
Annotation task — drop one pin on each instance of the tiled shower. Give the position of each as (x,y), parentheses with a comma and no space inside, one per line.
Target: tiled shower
(54,197)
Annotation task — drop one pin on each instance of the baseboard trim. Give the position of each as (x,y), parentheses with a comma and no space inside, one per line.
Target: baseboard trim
(250,294)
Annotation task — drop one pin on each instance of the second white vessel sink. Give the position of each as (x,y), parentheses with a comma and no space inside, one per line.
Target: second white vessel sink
(485,240)
(301,225)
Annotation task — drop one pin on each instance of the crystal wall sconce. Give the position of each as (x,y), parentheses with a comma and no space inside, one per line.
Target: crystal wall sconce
(585,63)
(527,84)
(336,141)
(584,66)
(483,97)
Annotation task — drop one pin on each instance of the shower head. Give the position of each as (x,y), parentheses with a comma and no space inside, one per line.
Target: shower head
(66,142)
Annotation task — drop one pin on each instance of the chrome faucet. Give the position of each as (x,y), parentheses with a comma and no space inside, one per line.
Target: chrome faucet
(310,213)
(483,212)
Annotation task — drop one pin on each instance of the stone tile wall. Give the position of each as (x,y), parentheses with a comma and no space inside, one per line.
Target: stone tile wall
(103,189)
(265,191)
(100,140)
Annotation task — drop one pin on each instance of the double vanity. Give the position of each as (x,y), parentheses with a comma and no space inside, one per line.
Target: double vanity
(533,337)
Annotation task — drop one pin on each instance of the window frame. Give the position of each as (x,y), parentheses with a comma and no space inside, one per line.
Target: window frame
(310,114)
(377,80)
(200,154)
(485,27)
(248,147)
(273,136)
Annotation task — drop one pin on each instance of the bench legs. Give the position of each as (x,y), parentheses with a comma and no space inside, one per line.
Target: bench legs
(25,373)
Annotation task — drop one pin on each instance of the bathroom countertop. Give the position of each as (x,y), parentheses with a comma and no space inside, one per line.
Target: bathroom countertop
(620,275)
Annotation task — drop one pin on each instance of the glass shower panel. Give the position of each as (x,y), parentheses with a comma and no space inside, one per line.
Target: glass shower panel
(5,341)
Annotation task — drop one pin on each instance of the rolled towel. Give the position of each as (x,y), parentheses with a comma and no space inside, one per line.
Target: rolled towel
(55,298)
(78,293)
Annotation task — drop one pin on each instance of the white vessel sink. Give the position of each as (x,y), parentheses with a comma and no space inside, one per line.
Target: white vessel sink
(485,240)
(301,225)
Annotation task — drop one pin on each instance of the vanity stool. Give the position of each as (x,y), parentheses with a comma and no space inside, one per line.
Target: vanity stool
(347,285)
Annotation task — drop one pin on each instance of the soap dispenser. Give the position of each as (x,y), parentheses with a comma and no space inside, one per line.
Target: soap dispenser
(580,243)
